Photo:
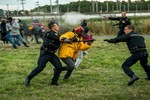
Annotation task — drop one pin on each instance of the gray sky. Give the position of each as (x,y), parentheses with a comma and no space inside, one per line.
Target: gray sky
(30,4)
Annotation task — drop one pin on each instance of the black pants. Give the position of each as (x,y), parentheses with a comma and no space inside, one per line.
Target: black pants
(36,37)
(3,37)
(139,56)
(42,61)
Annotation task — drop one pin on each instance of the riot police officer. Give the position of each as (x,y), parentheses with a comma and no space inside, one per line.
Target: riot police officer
(137,47)
(123,22)
(47,54)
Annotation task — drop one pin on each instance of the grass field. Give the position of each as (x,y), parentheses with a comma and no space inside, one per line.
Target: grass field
(99,76)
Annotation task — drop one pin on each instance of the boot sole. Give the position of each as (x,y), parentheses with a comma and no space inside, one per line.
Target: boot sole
(132,82)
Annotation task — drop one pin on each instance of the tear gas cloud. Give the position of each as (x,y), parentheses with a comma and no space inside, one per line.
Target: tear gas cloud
(73,18)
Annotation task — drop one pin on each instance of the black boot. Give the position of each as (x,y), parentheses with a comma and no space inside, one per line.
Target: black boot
(25,44)
(132,80)
(147,78)
(27,82)
(54,83)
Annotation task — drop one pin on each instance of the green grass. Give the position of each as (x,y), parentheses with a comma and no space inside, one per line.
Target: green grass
(99,76)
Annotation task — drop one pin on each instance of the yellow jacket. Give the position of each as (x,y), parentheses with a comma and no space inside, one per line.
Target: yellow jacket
(71,49)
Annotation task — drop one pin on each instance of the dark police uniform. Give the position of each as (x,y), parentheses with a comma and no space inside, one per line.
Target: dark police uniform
(50,44)
(137,47)
(121,25)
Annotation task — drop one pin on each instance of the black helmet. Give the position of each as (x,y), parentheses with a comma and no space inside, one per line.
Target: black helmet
(10,18)
(84,23)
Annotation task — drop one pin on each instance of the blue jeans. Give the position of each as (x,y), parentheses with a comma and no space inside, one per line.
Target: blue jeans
(19,37)
(17,42)
(11,39)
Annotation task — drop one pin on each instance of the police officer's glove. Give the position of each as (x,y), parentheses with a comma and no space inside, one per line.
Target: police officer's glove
(67,41)
(106,40)
(74,39)
(110,40)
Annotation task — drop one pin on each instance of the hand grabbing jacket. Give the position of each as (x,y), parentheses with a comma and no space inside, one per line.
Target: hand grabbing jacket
(71,49)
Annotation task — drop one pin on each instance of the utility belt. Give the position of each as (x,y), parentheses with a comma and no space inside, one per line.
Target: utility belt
(45,50)
(137,49)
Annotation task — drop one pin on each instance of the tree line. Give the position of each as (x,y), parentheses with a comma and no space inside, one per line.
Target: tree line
(97,7)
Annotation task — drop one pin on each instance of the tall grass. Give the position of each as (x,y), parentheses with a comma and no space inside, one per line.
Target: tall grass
(99,76)
(103,26)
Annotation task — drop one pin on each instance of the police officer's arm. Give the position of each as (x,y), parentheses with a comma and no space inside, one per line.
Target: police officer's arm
(122,38)
(50,39)
(114,18)
(67,37)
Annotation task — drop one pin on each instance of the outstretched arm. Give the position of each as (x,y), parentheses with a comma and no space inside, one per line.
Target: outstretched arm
(114,18)
(122,38)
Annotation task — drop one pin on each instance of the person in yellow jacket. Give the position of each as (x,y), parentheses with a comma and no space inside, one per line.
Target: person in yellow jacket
(71,45)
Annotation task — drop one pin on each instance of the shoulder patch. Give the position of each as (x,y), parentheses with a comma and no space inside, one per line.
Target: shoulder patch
(135,35)
(56,34)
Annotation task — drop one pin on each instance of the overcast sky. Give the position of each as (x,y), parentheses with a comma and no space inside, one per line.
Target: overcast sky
(30,4)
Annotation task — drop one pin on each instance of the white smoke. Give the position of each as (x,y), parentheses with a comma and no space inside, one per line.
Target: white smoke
(73,18)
